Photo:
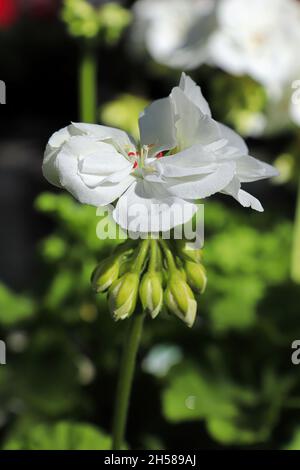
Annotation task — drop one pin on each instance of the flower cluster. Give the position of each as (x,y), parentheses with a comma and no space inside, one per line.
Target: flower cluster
(184,155)
(151,273)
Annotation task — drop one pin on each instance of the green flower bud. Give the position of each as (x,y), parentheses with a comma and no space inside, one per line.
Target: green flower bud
(196,276)
(114,19)
(81,18)
(186,251)
(105,274)
(180,300)
(122,296)
(151,293)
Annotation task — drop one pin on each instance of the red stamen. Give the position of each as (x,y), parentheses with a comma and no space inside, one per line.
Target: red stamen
(131,154)
(160,154)
(135,165)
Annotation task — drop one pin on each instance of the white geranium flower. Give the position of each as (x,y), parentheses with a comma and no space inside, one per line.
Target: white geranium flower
(175,32)
(184,156)
(260,39)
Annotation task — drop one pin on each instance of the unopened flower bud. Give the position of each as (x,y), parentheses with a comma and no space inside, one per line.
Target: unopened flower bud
(123,296)
(196,276)
(105,274)
(151,293)
(179,299)
(188,252)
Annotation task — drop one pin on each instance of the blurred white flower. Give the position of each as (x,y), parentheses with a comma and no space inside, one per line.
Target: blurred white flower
(260,39)
(175,32)
(283,110)
(161,358)
(295,101)
(280,112)
(184,156)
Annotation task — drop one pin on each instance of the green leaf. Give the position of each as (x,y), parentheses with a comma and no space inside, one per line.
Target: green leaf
(233,413)
(14,308)
(294,443)
(60,436)
(227,311)
(192,395)
(229,432)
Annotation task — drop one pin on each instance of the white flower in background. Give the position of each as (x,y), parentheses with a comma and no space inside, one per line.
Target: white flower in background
(184,156)
(295,101)
(260,38)
(281,112)
(175,32)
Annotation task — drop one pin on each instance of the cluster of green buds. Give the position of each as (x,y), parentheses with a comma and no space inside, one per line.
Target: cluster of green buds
(86,20)
(163,276)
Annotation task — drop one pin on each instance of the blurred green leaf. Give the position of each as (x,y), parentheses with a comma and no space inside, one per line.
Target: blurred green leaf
(294,443)
(60,436)
(233,413)
(193,395)
(123,112)
(14,308)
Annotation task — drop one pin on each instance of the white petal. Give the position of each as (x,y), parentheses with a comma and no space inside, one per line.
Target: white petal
(202,186)
(102,159)
(157,126)
(194,94)
(122,141)
(91,188)
(146,207)
(233,139)
(195,160)
(244,198)
(54,144)
(247,200)
(250,169)
(192,125)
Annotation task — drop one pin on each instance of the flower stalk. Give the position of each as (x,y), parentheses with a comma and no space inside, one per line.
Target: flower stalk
(88,82)
(130,349)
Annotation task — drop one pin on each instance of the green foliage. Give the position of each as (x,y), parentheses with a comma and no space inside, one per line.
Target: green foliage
(294,443)
(243,263)
(232,375)
(234,412)
(14,309)
(60,436)
(239,101)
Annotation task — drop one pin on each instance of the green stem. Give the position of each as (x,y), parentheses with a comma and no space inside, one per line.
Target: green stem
(88,83)
(168,254)
(295,262)
(141,256)
(153,256)
(131,344)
